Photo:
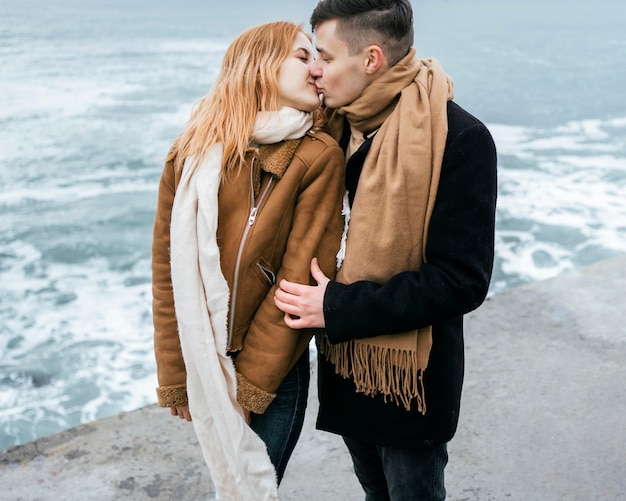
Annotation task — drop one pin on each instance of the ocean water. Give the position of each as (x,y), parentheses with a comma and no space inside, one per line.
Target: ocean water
(93,91)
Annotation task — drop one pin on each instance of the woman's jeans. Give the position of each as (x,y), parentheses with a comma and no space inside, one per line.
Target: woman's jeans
(388,473)
(280,425)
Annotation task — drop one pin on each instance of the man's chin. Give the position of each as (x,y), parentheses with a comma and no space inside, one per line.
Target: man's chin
(328,103)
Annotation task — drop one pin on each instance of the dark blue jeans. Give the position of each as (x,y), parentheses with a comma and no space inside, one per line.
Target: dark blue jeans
(390,474)
(280,425)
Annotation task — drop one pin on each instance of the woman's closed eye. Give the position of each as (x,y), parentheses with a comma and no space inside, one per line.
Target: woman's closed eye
(303,55)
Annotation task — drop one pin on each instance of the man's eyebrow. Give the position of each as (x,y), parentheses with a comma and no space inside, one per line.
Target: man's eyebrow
(321,50)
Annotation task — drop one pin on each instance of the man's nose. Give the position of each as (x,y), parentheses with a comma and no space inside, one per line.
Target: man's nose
(315,69)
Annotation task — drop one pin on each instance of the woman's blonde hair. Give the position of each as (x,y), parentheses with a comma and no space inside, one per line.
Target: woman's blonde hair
(246,84)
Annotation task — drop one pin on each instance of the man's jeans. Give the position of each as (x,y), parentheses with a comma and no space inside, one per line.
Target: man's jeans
(387,473)
(280,425)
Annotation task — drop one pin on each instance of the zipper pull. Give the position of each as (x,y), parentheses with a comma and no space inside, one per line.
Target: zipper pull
(252,217)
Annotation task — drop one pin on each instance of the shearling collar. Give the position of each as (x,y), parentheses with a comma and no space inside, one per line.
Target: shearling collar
(274,159)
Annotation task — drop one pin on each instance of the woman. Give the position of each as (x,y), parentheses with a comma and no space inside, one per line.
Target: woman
(251,191)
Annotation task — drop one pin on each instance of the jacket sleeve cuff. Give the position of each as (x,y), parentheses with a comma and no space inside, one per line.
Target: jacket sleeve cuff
(252,398)
(335,314)
(172,396)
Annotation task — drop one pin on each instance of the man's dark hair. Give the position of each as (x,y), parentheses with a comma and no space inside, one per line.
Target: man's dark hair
(386,23)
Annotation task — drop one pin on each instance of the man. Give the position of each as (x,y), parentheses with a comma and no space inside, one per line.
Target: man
(421,184)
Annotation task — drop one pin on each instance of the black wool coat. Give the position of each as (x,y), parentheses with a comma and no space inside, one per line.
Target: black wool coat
(453,281)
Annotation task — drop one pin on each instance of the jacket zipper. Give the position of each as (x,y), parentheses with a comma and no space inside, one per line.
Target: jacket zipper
(254,209)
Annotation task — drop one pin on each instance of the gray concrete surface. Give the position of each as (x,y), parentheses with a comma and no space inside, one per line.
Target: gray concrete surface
(543,417)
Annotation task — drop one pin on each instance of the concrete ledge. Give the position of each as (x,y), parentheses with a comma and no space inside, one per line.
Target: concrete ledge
(542,417)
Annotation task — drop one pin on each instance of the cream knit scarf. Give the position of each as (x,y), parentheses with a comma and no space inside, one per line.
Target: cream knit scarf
(390,215)
(236,456)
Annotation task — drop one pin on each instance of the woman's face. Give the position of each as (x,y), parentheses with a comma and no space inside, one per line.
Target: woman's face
(296,86)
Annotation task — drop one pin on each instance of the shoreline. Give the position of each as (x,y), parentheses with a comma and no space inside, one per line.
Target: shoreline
(541,416)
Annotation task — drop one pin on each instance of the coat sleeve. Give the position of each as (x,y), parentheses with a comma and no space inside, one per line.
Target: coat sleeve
(459,254)
(271,348)
(171,372)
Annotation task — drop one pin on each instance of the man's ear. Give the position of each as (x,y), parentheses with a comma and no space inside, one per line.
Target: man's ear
(375,59)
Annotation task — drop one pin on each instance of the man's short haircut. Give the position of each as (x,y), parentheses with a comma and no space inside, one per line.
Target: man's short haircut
(386,23)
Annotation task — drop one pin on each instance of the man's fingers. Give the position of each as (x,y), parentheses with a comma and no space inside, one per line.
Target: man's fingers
(287,308)
(317,273)
(290,287)
(303,304)
(294,322)
(290,321)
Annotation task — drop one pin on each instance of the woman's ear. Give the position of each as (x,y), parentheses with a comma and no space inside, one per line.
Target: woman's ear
(375,59)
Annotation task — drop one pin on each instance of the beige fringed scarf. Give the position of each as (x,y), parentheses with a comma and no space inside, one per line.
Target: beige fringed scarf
(390,215)
(237,458)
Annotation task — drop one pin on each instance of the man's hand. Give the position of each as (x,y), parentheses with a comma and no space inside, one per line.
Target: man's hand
(182,411)
(303,305)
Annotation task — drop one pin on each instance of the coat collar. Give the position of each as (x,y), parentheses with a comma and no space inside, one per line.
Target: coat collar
(273,159)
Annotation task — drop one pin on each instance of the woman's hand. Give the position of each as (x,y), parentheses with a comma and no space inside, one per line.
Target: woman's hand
(182,411)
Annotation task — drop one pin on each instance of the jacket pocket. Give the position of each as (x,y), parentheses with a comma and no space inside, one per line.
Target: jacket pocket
(267,272)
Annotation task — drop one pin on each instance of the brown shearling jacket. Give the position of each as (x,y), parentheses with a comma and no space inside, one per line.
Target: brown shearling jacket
(274,216)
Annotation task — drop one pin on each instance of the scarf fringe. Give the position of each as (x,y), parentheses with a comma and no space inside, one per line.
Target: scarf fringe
(394,373)
(345,212)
